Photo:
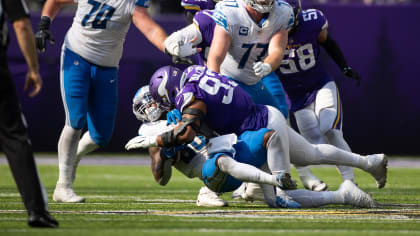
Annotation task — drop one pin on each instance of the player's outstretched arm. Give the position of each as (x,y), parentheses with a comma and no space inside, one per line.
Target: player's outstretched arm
(335,52)
(149,28)
(218,49)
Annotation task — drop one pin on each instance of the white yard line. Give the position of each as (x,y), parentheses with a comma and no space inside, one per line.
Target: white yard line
(142,159)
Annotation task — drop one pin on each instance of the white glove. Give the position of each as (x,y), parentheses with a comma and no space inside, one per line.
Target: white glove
(262,69)
(179,48)
(141,142)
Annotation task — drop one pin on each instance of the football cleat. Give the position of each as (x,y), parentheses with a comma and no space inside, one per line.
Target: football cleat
(65,193)
(284,201)
(253,192)
(208,198)
(314,184)
(377,167)
(237,194)
(286,182)
(352,195)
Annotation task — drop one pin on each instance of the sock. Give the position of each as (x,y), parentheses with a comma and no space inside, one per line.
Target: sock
(315,199)
(278,158)
(86,145)
(335,138)
(67,146)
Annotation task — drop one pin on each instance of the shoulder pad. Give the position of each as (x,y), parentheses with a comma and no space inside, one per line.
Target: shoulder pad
(285,16)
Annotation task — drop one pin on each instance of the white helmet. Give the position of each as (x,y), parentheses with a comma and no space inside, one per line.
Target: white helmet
(262,6)
(144,107)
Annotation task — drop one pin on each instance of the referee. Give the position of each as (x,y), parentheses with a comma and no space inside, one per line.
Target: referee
(14,140)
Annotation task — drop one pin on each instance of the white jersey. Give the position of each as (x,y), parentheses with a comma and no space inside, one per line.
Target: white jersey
(192,160)
(249,40)
(99,29)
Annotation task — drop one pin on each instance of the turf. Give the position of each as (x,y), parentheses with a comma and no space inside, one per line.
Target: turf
(125,200)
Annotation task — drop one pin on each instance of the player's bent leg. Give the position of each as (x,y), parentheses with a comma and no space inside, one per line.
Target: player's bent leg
(208,198)
(303,153)
(330,112)
(103,104)
(75,85)
(308,125)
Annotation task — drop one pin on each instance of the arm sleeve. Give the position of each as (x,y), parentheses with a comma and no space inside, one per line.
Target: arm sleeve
(335,52)
(16,9)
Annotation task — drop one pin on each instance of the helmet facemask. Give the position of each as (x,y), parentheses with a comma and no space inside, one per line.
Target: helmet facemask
(262,6)
(144,107)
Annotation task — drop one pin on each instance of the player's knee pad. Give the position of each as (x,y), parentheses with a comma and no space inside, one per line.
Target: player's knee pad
(328,119)
(309,125)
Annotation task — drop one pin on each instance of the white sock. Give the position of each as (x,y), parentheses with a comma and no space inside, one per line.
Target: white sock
(308,198)
(245,172)
(67,146)
(278,158)
(86,145)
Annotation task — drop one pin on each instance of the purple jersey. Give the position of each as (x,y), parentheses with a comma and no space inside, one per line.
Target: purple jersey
(301,71)
(206,24)
(194,6)
(229,108)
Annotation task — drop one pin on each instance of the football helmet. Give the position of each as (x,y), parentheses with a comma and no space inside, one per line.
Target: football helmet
(262,6)
(144,107)
(165,84)
(297,8)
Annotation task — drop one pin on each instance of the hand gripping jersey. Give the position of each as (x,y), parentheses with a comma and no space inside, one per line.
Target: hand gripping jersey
(249,40)
(99,29)
(302,72)
(194,6)
(229,108)
(205,23)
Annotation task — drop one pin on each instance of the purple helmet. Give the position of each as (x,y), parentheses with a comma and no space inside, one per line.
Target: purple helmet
(165,84)
(297,7)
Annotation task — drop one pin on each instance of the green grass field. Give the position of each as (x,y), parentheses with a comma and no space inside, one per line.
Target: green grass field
(125,200)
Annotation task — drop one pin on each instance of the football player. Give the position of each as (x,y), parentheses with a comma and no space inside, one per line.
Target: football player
(204,97)
(89,66)
(225,162)
(315,99)
(198,37)
(152,117)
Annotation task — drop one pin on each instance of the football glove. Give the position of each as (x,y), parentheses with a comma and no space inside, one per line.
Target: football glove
(352,74)
(179,48)
(262,69)
(179,60)
(43,34)
(173,116)
(141,142)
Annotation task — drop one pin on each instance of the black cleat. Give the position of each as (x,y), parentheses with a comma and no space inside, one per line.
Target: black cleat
(41,219)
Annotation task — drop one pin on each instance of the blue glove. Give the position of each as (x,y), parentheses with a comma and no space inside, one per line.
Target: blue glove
(170,152)
(173,116)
